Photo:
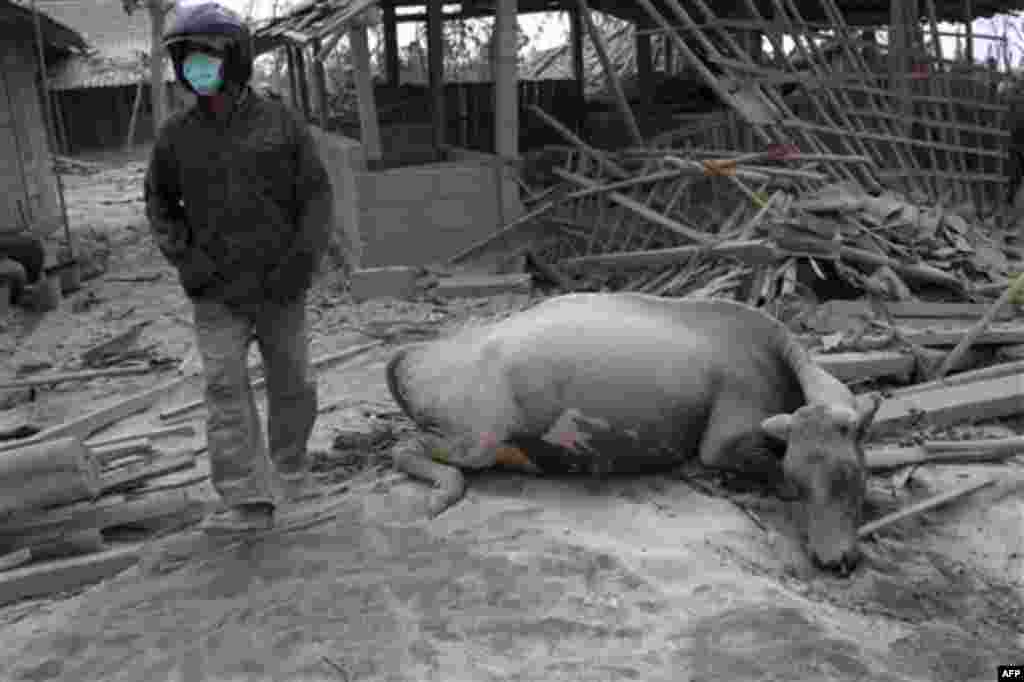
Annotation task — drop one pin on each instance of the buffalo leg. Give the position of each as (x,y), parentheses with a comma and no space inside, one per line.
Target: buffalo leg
(733,440)
(437,461)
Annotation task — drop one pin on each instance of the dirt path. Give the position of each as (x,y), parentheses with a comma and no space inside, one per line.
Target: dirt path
(527,579)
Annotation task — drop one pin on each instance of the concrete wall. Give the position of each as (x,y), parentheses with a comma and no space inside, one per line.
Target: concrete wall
(28,185)
(419,215)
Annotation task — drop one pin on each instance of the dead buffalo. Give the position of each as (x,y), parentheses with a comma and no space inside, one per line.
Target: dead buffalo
(634,383)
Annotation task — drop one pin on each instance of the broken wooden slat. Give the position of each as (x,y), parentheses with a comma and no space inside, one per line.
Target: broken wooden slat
(55,472)
(87,424)
(65,574)
(106,455)
(131,476)
(849,367)
(176,430)
(84,375)
(922,506)
(987,399)
(319,363)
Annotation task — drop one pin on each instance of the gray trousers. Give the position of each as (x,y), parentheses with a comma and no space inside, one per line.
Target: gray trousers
(241,466)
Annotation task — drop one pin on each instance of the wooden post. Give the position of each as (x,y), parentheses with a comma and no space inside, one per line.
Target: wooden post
(435,67)
(368,123)
(613,78)
(293,86)
(506,104)
(303,77)
(578,66)
(320,86)
(392,65)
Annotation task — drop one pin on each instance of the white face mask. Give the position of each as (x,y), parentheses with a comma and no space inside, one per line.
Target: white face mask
(203,72)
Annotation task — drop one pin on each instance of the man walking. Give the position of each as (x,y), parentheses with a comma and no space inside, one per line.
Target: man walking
(240,203)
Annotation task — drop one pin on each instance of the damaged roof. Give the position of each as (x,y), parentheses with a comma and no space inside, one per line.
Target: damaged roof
(312,19)
(118,41)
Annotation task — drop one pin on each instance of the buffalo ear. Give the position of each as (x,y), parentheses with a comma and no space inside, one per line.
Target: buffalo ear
(778,426)
(867,408)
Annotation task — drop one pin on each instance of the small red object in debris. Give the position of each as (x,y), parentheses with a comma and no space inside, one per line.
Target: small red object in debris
(488,440)
(781,152)
(919,71)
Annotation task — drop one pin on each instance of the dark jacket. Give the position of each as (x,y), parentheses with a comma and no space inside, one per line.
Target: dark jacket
(242,208)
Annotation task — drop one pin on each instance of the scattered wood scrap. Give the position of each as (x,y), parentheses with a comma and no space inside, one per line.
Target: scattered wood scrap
(84,375)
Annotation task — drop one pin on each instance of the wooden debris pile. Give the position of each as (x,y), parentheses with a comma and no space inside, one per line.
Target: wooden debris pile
(71,510)
(754,226)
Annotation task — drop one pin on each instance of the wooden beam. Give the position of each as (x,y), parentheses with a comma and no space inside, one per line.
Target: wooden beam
(987,399)
(392,63)
(368,123)
(83,375)
(435,68)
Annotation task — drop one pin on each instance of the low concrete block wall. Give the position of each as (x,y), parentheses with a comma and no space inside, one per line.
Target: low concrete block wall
(419,215)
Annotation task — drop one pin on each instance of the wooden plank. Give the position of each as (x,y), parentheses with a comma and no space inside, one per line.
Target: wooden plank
(989,399)
(128,477)
(996,335)
(65,574)
(849,367)
(992,372)
(87,424)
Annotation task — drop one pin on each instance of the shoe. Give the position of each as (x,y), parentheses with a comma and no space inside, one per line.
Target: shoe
(245,518)
(299,487)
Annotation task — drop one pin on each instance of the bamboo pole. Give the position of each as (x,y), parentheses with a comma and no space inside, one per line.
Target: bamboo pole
(610,73)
